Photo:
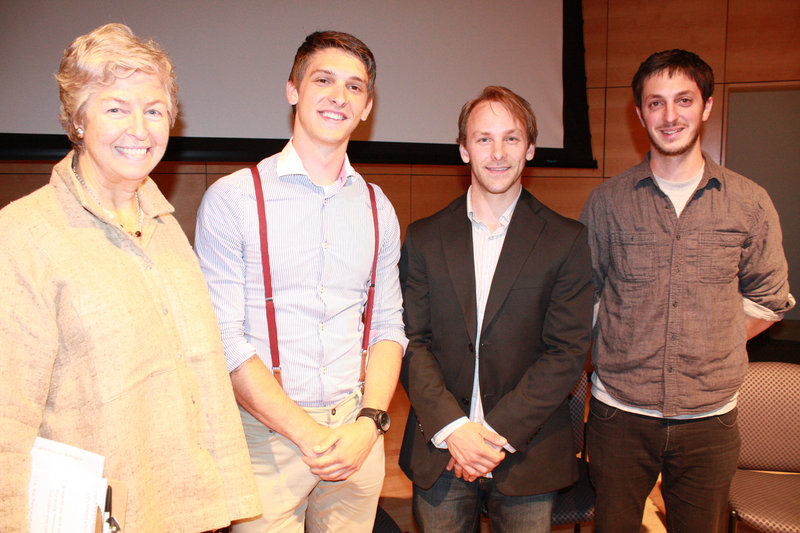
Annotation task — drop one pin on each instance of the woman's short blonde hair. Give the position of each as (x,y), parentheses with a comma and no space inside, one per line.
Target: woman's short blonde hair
(97,59)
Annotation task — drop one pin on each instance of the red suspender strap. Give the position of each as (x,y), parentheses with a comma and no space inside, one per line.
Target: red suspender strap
(271,326)
(371,293)
(270,304)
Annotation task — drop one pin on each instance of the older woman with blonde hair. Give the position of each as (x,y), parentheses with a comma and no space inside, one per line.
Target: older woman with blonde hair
(108,340)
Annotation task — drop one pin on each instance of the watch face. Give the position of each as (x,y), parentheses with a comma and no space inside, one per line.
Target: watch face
(384,421)
(381,418)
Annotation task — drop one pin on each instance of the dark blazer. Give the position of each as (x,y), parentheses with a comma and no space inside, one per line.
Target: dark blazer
(534,341)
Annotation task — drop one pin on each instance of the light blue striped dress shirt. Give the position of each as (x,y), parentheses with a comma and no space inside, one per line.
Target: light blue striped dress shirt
(321,243)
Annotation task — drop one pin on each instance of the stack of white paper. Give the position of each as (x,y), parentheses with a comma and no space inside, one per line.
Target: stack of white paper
(66,488)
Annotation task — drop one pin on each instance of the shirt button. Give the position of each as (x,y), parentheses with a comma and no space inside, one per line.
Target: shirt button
(674,336)
(323,370)
(322,289)
(678,237)
(325,245)
(322,326)
(674,304)
(669,369)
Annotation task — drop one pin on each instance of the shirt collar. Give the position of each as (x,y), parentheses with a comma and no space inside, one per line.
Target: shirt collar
(712,173)
(505,218)
(691,183)
(290,164)
(151,199)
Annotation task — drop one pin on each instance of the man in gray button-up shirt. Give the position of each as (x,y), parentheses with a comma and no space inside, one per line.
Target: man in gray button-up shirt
(688,264)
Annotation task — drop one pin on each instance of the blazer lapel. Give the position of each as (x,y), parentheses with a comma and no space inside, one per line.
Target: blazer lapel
(523,232)
(456,235)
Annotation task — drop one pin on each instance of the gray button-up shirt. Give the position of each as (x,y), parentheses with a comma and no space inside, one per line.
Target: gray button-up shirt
(670,332)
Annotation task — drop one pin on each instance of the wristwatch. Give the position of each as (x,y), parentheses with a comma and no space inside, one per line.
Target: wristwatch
(381,418)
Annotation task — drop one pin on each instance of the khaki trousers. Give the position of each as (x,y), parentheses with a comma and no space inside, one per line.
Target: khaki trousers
(293,498)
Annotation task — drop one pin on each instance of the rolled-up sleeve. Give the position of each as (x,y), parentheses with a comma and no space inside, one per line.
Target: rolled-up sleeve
(387,317)
(763,271)
(219,245)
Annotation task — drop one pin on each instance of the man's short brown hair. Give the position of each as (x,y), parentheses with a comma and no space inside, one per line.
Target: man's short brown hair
(519,108)
(672,61)
(322,40)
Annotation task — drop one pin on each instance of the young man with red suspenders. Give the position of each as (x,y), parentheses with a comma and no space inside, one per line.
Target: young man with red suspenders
(300,255)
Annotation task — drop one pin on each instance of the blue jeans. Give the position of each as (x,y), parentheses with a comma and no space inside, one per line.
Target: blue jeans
(696,458)
(453,505)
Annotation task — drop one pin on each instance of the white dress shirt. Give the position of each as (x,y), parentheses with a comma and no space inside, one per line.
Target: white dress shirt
(486,248)
(321,244)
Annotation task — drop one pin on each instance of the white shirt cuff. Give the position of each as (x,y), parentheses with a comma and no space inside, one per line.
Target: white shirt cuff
(760,312)
(438,440)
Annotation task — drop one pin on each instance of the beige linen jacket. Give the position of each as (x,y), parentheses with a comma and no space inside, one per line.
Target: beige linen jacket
(113,346)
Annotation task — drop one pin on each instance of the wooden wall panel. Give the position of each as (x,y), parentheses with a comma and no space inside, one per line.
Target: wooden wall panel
(566,196)
(441,170)
(429,194)
(184,192)
(377,170)
(180,167)
(711,136)
(626,139)
(15,186)
(637,29)
(19,178)
(27,167)
(183,184)
(215,171)
(396,484)
(397,188)
(595,35)
(763,41)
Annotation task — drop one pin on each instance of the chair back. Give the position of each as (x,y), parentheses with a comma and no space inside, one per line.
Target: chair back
(577,410)
(769,417)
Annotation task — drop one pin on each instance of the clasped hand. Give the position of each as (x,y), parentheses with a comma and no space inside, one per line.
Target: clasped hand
(475,451)
(339,452)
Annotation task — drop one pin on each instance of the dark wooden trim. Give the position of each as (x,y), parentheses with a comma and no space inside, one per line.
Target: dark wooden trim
(47,147)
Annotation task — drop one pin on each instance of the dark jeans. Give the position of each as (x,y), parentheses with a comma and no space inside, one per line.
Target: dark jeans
(453,505)
(696,458)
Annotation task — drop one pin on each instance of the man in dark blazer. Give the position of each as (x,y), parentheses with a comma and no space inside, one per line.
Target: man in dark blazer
(496,282)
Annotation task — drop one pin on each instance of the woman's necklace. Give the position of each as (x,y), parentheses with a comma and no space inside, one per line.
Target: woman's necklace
(110,214)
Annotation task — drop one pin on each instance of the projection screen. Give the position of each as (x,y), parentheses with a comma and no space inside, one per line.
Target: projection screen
(233,59)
